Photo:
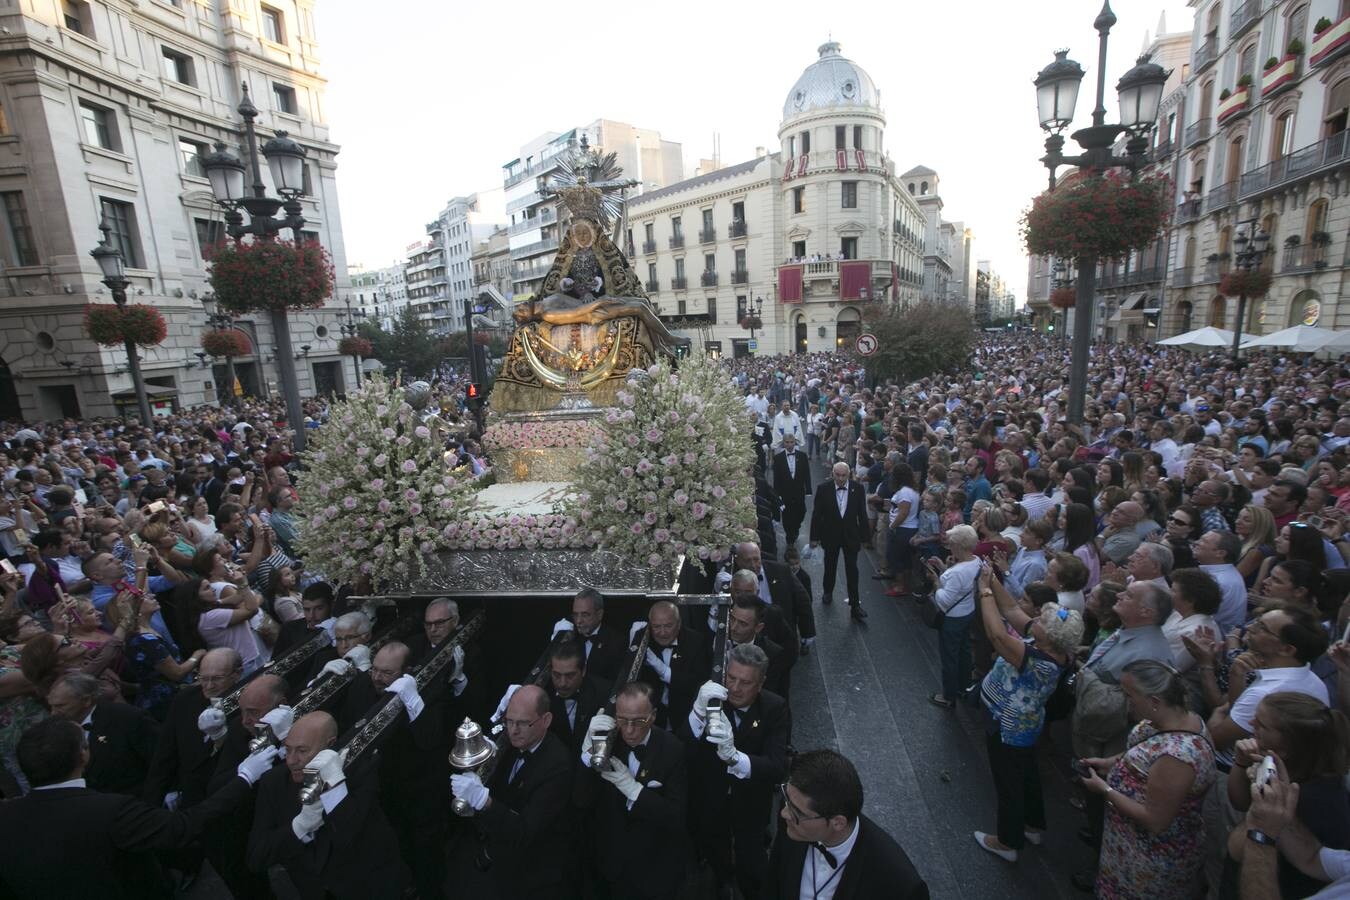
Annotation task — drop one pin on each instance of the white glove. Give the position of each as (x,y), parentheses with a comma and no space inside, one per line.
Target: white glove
(506,699)
(661,669)
(721,582)
(359,656)
(211,723)
(601,725)
(171,800)
(329,766)
(336,666)
(707,691)
(719,732)
(562,625)
(808,642)
(280,721)
(255,765)
(458,680)
(619,776)
(405,686)
(308,821)
(469,788)
(633,632)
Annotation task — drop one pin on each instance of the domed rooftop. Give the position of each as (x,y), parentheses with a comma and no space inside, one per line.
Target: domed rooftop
(830,81)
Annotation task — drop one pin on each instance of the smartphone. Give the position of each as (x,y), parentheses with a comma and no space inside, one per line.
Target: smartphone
(8,567)
(1080,768)
(135,541)
(1266,772)
(1315,521)
(156,508)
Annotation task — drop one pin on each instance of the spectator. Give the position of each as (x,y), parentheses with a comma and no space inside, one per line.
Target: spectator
(955,599)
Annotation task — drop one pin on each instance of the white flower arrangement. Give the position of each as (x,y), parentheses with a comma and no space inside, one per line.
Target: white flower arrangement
(538,435)
(376,496)
(669,472)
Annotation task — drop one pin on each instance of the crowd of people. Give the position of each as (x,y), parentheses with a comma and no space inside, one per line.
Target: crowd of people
(1166,581)
(1168,578)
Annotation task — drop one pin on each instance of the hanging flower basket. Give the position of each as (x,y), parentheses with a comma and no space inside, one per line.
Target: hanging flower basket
(356,346)
(113,326)
(1063,298)
(1097,216)
(271,276)
(230,342)
(750,323)
(1252,284)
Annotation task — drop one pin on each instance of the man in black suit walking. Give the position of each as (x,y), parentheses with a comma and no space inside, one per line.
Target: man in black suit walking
(792,482)
(185,757)
(826,840)
(65,840)
(839,522)
(121,737)
(789,619)
(602,645)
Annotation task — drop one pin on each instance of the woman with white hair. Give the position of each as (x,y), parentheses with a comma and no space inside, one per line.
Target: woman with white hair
(1032,655)
(955,599)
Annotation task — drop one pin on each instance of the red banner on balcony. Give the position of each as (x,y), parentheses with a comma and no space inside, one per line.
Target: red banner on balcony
(862,160)
(841,160)
(787,170)
(854,278)
(790,284)
(801,165)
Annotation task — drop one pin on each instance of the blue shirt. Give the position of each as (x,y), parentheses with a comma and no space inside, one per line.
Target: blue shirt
(103,593)
(977,488)
(1027,566)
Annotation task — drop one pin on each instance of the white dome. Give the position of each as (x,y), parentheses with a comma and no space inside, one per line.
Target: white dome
(831,81)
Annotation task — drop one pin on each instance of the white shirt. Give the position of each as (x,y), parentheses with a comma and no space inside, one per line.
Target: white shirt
(1336,863)
(841,498)
(785,424)
(1036,504)
(1177,627)
(72,783)
(819,880)
(1233,610)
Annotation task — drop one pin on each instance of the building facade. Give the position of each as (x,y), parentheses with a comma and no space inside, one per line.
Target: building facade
(380,294)
(491,262)
(805,237)
(107,111)
(922,184)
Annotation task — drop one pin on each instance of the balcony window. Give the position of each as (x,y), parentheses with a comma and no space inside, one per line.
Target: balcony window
(799,200)
(806,142)
(679,268)
(191,153)
(841,137)
(857,137)
(284,99)
(848,194)
(99,125)
(273,25)
(178,67)
(677,228)
(848,247)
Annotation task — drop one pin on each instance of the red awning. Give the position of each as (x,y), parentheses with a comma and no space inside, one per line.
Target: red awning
(854,278)
(790,284)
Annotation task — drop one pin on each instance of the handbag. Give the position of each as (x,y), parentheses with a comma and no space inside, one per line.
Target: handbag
(933,614)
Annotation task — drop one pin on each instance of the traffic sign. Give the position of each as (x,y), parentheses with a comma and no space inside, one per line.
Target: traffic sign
(753,345)
(867,343)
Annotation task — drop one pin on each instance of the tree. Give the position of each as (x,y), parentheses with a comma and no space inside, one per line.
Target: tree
(408,348)
(916,341)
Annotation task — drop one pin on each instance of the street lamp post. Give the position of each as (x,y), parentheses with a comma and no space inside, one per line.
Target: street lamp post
(1251,243)
(350,326)
(113,267)
(222,321)
(1140,92)
(1063,279)
(753,314)
(227,174)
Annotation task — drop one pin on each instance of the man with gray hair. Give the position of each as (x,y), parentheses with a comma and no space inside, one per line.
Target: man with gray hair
(122,737)
(1217,553)
(192,734)
(1121,535)
(738,755)
(1150,562)
(351,645)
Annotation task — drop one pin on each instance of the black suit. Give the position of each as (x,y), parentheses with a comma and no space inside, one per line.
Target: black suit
(184,758)
(835,532)
(732,812)
(689,668)
(876,869)
(226,842)
(121,745)
(590,699)
(605,651)
(353,854)
(643,851)
(789,617)
(793,488)
(780,664)
(527,830)
(76,842)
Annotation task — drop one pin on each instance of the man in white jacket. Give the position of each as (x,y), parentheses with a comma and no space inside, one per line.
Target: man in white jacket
(787,422)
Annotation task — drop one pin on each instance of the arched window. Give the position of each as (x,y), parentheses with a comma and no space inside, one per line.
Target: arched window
(847,327)
(1225,242)
(1189,258)
(1235,159)
(1198,168)
(1305,308)
(1247,61)
(1218,312)
(1317,218)
(1206,100)
(1282,135)
(923,188)
(1185,311)
(1296,26)
(1338,106)
(911,188)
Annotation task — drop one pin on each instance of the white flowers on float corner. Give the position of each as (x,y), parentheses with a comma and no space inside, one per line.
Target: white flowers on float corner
(669,472)
(376,496)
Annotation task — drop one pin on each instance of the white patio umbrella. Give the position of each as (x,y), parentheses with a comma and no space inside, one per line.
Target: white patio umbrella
(1303,339)
(1207,338)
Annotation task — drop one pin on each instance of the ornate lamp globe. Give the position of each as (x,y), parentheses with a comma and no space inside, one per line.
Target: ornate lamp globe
(1140,92)
(1057,91)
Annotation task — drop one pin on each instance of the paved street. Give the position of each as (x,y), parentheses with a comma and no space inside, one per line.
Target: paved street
(863,691)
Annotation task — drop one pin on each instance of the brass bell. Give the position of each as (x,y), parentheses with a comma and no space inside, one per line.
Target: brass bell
(471,748)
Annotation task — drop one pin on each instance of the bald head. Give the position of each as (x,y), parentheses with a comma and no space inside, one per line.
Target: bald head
(1128,512)
(390,662)
(219,672)
(259,697)
(310,734)
(527,717)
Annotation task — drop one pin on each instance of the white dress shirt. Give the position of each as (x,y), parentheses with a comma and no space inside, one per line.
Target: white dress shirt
(819,879)
(841,498)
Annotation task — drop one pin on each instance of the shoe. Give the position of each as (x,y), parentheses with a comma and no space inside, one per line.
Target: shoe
(827,599)
(856,611)
(939,700)
(1035,838)
(1005,855)
(1084,881)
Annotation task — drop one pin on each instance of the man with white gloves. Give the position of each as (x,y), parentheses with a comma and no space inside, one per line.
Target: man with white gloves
(351,647)
(340,845)
(739,756)
(185,756)
(521,808)
(676,662)
(639,799)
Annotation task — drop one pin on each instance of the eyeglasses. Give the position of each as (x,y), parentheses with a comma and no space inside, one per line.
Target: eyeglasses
(519,724)
(433,623)
(1176,521)
(214,679)
(798,817)
(633,723)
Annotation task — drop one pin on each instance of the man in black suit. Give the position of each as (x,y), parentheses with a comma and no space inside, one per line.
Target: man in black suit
(464,676)
(789,619)
(839,522)
(737,757)
(677,662)
(340,845)
(792,482)
(639,802)
(825,839)
(191,738)
(745,625)
(574,696)
(603,645)
(122,737)
(522,806)
(66,840)
(317,603)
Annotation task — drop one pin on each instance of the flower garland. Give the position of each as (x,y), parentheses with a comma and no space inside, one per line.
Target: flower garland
(669,471)
(356,346)
(536,435)
(1102,216)
(376,496)
(1063,298)
(1252,284)
(270,276)
(509,531)
(113,326)
(228,342)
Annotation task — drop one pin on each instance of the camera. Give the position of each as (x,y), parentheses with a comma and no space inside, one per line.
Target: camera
(156,508)
(1266,772)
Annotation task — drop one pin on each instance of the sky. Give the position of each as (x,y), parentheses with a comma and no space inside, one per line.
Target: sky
(428,100)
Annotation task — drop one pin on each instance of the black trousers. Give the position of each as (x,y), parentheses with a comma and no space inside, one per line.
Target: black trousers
(793,513)
(1017,782)
(850,568)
